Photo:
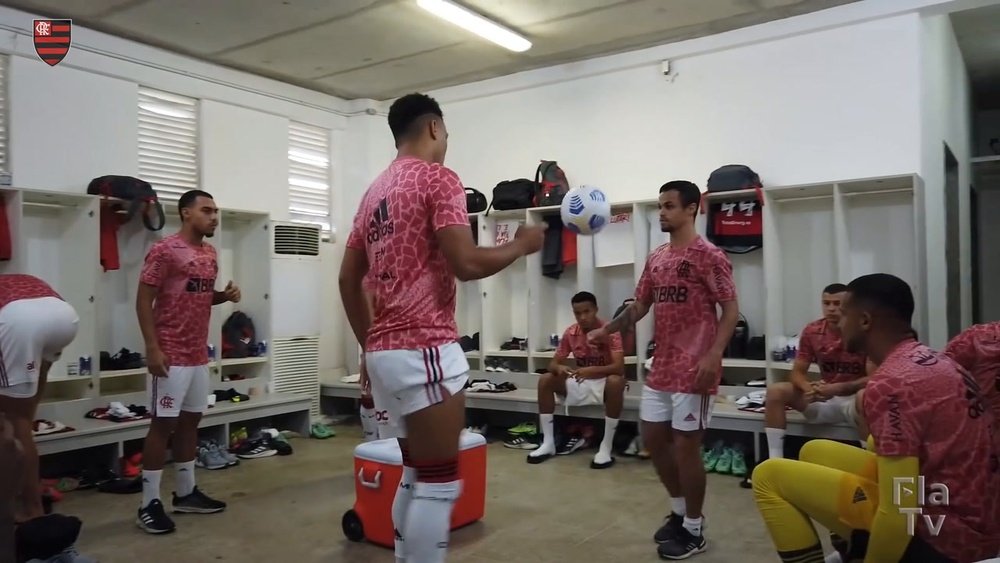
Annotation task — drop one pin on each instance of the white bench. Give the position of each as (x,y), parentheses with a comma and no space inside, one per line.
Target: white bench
(725,415)
(94,433)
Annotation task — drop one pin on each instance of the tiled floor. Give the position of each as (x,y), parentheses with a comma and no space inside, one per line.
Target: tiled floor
(288,510)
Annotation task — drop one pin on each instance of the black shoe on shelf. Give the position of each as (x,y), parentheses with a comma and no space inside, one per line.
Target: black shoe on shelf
(197,503)
(669,529)
(154,520)
(683,545)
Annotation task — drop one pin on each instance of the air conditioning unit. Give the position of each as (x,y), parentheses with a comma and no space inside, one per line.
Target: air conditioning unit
(295,312)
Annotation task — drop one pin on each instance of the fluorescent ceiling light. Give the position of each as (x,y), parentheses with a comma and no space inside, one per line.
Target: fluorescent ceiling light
(471,21)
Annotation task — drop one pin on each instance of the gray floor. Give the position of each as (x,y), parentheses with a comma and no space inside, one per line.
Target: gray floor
(288,509)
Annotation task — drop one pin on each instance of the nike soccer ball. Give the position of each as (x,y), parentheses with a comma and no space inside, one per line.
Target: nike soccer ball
(585,210)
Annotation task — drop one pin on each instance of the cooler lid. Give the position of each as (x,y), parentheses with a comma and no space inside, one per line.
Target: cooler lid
(387,451)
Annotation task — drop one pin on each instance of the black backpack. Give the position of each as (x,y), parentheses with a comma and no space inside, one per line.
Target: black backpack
(239,338)
(735,226)
(139,193)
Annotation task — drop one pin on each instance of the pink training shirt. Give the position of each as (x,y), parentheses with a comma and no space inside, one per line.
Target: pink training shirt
(409,276)
(819,344)
(185,277)
(15,287)
(574,341)
(683,286)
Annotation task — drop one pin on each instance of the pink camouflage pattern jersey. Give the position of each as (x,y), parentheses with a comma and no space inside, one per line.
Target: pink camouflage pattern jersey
(410,279)
(683,286)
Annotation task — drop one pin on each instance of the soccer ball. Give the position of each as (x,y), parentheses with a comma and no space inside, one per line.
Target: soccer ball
(585,210)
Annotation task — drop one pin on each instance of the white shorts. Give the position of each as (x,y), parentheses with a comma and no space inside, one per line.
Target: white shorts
(835,410)
(583,393)
(32,331)
(686,412)
(185,388)
(406,381)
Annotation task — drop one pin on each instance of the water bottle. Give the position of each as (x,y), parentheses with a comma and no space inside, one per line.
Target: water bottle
(211,351)
(85,366)
(262,348)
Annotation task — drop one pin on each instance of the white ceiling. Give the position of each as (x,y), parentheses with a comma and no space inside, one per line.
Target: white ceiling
(978,33)
(381,49)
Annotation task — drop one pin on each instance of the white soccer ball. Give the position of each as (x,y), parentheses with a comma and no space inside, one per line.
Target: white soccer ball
(585,210)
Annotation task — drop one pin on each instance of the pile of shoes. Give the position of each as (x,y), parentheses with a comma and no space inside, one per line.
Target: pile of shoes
(515,343)
(497,365)
(487,386)
(725,460)
(118,412)
(524,436)
(124,359)
(212,455)
(266,443)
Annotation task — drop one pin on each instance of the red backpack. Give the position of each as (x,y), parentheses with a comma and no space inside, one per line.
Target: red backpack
(552,184)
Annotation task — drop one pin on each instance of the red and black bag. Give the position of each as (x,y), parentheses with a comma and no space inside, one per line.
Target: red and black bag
(138,194)
(552,184)
(735,225)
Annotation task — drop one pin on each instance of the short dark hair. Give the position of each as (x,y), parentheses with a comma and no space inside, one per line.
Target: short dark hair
(189,197)
(835,288)
(408,112)
(687,191)
(885,292)
(584,297)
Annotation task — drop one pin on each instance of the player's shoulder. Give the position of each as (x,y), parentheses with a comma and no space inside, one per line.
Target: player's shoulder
(708,250)
(659,252)
(813,328)
(919,364)
(573,330)
(168,244)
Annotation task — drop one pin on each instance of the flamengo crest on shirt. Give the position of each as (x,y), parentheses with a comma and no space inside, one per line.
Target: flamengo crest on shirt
(52,39)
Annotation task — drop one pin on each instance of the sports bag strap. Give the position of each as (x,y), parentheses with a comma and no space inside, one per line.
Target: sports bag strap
(160,216)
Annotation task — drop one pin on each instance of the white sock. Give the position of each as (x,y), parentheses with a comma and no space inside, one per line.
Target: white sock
(428,521)
(400,506)
(775,442)
(185,478)
(693,525)
(548,446)
(833,557)
(150,486)
(369,426)
(604,452)
(678,506)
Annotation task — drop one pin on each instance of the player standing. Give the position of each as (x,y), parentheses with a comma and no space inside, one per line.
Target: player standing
(35,325)
(411,237)
(174,305)
(683,281)
(977,349)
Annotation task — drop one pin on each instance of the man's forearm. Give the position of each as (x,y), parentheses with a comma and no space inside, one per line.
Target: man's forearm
(357,310)
(147,325)
(631,315)
(219,297)
(852,387)
(610,369)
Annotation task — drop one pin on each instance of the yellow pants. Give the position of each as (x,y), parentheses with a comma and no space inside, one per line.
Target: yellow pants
(836,488)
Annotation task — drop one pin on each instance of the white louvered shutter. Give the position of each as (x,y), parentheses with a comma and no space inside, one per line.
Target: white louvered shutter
(309,175)
(3,113)
(168,142)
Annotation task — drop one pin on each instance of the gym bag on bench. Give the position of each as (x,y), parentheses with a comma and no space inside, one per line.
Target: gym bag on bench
(513,194)
(475,201)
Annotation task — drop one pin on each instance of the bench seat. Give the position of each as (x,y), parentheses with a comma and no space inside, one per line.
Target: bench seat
(89,432)
(726,415)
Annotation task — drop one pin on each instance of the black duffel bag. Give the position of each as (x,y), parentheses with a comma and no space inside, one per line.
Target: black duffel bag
(139,195)
(514,194)
(475,201)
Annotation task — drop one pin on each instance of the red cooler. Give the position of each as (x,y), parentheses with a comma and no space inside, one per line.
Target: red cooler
(378,467)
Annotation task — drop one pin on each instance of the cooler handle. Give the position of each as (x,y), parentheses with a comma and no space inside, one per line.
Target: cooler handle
(370,484)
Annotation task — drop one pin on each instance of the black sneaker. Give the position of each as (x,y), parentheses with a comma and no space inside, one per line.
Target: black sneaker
(197,503)
(154,520)
(683,545)
(573,444)
(668,530)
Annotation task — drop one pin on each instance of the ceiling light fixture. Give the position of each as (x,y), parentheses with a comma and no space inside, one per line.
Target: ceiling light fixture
(471,21)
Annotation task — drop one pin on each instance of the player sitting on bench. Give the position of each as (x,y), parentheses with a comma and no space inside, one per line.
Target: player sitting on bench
(598,378)
(842,374)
